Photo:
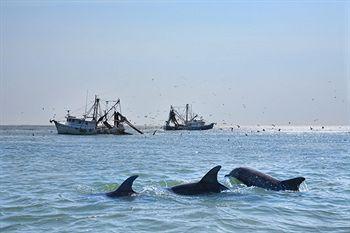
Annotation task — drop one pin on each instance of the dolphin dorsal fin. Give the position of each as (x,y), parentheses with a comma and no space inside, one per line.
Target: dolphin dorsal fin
(211,176)
(292,184)
(125,188)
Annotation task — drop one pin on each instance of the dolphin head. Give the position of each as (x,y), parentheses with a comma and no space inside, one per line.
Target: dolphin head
(234,173)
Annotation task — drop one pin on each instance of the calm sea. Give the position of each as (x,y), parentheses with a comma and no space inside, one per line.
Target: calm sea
(55,183)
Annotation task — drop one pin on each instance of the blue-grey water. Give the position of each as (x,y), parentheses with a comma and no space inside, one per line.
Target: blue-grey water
(55,183)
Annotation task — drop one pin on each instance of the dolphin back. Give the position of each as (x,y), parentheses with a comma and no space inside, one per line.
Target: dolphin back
(208,184)
(125,189)
(292,184)
(211,178)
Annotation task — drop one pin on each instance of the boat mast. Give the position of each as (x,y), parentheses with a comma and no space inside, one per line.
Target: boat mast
(86,99)
(97,100)
(186,113)
(105,111)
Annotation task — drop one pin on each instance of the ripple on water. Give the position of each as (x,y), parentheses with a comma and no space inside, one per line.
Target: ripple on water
(54,182)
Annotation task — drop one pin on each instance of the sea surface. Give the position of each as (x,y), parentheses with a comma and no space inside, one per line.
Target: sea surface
(56,183)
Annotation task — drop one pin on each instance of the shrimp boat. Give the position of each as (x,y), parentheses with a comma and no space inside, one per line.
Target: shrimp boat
(95,121)
(188,121)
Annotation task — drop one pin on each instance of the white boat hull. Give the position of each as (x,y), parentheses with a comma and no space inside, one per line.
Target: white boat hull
(67,129)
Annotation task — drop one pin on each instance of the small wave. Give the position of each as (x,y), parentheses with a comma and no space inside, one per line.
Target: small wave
(153,190)
(303,187)
(85,189)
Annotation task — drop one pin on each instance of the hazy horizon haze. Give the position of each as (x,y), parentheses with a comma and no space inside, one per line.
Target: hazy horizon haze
(258,62)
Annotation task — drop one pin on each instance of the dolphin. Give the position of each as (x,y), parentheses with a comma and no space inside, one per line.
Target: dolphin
(251,177)
(125,189)
(208,184)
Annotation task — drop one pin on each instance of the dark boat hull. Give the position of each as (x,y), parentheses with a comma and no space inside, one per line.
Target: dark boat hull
(183,127)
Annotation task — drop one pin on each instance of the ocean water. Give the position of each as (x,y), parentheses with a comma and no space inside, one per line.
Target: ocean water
(56,183)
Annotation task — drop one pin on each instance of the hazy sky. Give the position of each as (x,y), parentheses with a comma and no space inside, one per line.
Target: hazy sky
(256,62)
